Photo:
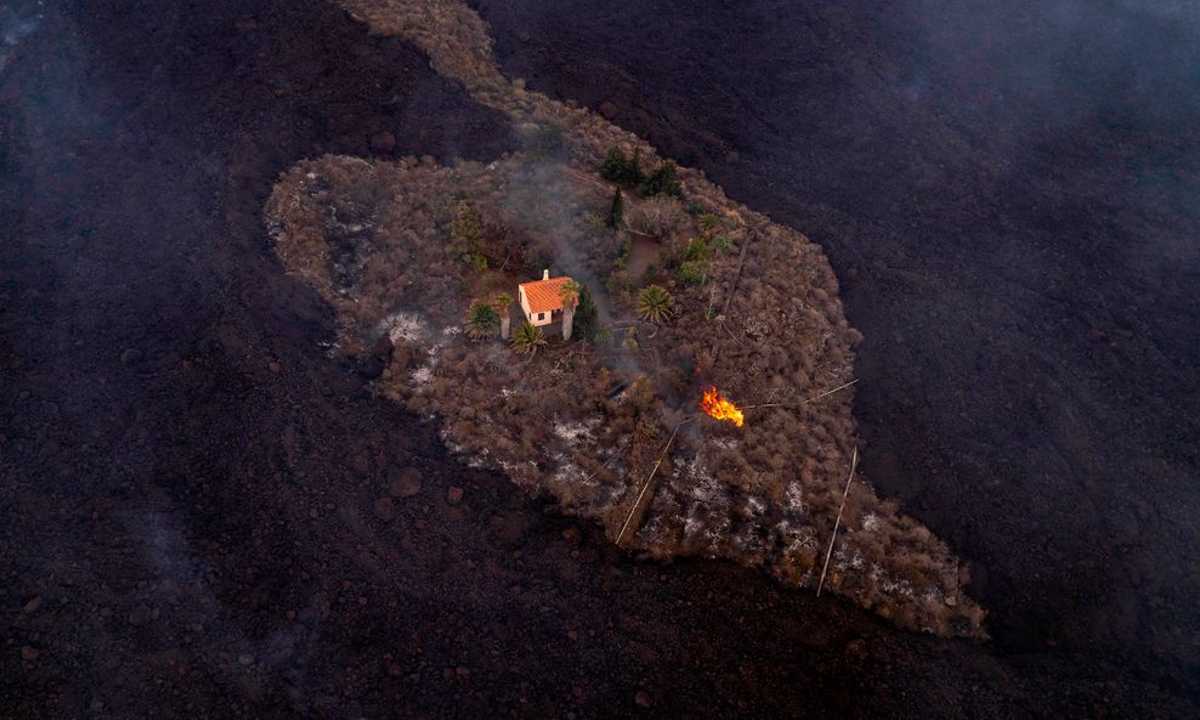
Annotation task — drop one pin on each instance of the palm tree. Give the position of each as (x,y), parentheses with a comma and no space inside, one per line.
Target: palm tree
(655,304)
(501,304)
(528,338)
(569,293)
(481,321)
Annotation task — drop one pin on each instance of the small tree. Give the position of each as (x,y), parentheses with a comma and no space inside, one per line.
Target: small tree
(663,181)
(709,223)
(585,316)
(466,235)
(613,167)
(616,212)
(633,170)
(482,321)
(502,304)
(622,170)
(655,304)
(528,338)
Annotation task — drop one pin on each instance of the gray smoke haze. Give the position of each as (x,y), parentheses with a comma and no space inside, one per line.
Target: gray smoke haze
(16,25)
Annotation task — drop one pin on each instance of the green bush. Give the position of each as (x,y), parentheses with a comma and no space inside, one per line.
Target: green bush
(586,324)
(655,304)
(622,170)
(528,338)
(663,181)
(697,250)
(693,272)
(482,321)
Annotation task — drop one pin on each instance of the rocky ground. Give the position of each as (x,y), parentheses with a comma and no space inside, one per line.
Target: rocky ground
(202,515)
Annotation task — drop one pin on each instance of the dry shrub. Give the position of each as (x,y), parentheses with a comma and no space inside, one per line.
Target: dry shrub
(658,216)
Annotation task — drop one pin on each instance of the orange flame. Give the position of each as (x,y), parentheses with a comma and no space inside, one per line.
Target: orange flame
(719,407)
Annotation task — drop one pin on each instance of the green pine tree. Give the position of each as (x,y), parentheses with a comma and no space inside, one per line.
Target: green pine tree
(613,168)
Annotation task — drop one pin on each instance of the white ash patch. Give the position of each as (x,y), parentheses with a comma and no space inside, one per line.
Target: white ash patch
(716,533)
(747,538)
(707,489)
(756,505)
(404,326)
(794,497)
(694,473)
(422,375)
(568,471)
(573,432)
(472,459)
(887,585)
(797,539)
(452,330)
(870,522)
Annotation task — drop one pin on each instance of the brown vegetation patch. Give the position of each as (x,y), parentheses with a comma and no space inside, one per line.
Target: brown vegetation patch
(754,310)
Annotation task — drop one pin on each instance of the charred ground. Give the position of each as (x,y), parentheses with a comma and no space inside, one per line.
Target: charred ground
(189,506)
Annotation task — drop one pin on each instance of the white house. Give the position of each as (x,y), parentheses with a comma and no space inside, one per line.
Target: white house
(542,302)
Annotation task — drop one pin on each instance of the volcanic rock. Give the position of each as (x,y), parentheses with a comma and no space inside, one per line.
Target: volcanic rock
(385,508)
(404,483)
(642,698)
(383,142)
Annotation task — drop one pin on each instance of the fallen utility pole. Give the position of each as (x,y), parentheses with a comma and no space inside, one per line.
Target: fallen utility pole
(838,522)
(798,403)
(649,480)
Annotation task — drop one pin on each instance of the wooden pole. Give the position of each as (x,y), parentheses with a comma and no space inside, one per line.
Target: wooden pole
(838,522)
(649,479)
(825,394)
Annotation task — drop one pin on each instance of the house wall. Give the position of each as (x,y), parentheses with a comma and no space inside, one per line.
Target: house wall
(547,318)
(529,314)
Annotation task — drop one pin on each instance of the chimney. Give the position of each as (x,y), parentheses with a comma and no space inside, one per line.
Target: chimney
(546,274)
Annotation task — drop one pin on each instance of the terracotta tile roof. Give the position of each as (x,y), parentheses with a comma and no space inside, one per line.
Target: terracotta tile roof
(545,295)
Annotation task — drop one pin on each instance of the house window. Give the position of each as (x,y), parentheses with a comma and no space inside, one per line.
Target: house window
(541,316)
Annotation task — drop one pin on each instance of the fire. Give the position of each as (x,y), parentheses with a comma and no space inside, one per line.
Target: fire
(719,407)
